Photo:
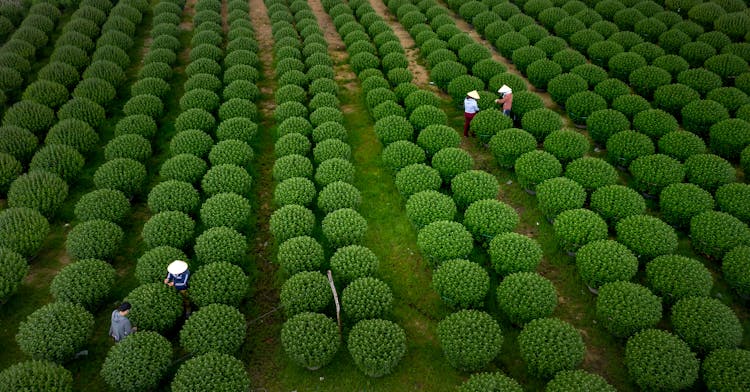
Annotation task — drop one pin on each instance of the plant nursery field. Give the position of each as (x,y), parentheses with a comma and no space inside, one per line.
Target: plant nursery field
(307,158)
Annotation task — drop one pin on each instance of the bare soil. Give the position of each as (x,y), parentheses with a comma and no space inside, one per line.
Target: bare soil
(188,13)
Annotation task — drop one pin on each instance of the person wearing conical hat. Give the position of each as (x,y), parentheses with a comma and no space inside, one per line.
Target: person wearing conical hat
(470,109)
(506,99)
(177,277)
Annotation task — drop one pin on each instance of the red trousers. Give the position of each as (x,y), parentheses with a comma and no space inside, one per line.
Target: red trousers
(467,117)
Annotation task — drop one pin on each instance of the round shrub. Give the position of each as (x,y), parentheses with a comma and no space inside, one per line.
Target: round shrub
(219,283)
(401,154)
(184,167)
(487,218)
(337,195)
(18,142)
(138,124)
(444,240)
(83,109)
(681,145)
(673,97)
(602,124)
(709,171)
(46,92)
(29,115)
(452,161)
(10,169)
(331,148)
(488,122)
(461,283)
(292,166)
(122,174)
(536,166)
(605,261)
(62,160)
(706,324)
(550,345)
(73,133)
(393,128)
(344,227)
(131,146)
(429,206)
(541,122)
(376,346)
(94,239)
(436,137)
(226,209)
(729,137)
(295,190)
(592,173)
(526,296)
(14,269)
(173,195)
(416,178)
(675,277)
(578,227)
(559,194)
(86,283)
(470,339)
(156,306)
(568,380)
(698,116)
(291,221)
(426,115)
(614,202)
(478,382)
(220,244)
(566,145)
(734,269)
(679,203)
(473,185)
(728,66)
(209,372)
(507,145)
(36,375)
(513,252)
(305,292)
(55,332)
(630,105)
(726,369)
(564,86)
(625,146)
(581,105)
(646,236)
(655,123)
(714,233)
(734,199)
(22,230)
(310,339)
(652,173)
(366,298)
(214,328)
(300,254)
(138,362)
(351,262)
(152,264)
(334,169)
(700,80)
(625,308)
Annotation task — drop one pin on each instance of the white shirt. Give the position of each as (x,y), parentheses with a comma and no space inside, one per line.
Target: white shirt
(470,105)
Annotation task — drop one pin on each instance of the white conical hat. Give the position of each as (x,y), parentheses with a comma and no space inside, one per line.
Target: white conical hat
(505,89)
(473,93)
(177,267)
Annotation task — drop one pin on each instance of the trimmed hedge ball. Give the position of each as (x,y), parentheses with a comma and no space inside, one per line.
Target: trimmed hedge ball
(292,166)
(470,339)
(652,173)
(13,270)
(625,146)
(337,195)
(578,227)
(291,221)
(526,296)
(559,194)
(592,173)
(681,145)
(550,345)
(220,244)
(238,128)
(473,185)
(433,138)
(219,283)
(305,291)
(36,375)
(331,148)
(123,174)
(226,209)
(351,262)
(58,159)
(173,195)
(416,178)
(726,369)
(156,306)
(300,254)
(679,203)
(508,145)
(55,332)
(625,308)
(729,137)
(603,261)
(429,206)
(615,202)
(39,190)
(30,115)
(479,382)
(137,363)
(310,340)
(646,236)
(377,346)
(698,116)
(602,124)
(344,227)
(94,239)
(452,161)
(401,154)
(138,124)
(714,233)
(570,380)
(214,328)
(734,268)
(393,128)
(184,167)
(444,240)
(706,324)
(152,264)
(566,145)
(541,122)
(513,252)
(18,142)
(487,218)
(534,167)
(675,277)
(131,146)
(709,171)
(211,372)
(168,228)
(22,230)
(461,284)
(658,359)
(86,283)
(366,298)
(332,170)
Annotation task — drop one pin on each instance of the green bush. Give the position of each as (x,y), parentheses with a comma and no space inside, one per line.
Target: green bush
(489,217)
(479,382)
(733,199)
(10,169)
(461,284)
(292,166)
(559,194)
(681,145)
(310,339)
(14,269)
(513,252)
(59,159)
(331,148)
(646,79)
(444,240)
(452,161)
(334,169)
(655,123)
(427,115)
(36,375)
(726,369)
(393,128)
(605,261)
(195,119)
(675,277)
(709,171)
(173,195)
(715,233)
(401,154)
(238,128)
(673,97)
(489,122)
(526,296)
(123,174)
(564,86)
(706,324)
(729,137)
(615,202)
(83,109)
(55,332)
(416,178)
(184,167)
(242,89)
(291,221)
(524,102)
(138,124)
(214,328)
(652,173)
(337,195)
(630,105)
(727,66)
(30,115)
(295,190)
(138,362)
(566,145)
(152,264)
(541,122)
(156,306)
(94,239)
(22,230)
(377,346)
(344,227)
(609,89)
(300,254)
(45,92)
(226,209)
(578,227)
(429,206)
(534,167)
(581,105)
(602,124)
(131,146)
(507,145)
(625,308)
(646,236)
(18,142)
(571,380)
(231,152)
(550,345)
(220,244)
(365,298)
(473,185)
(592,173)
(470,339)
(86,283)
(211,372)
(219,283)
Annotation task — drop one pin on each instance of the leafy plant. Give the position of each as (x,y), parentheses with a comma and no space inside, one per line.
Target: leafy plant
(39,190)
(55,332)
(726,369)
(564,86)
(709,171)
(592,173)
(211,372)
(625,308)
(13,269)
(714,233)
(337,195)
(310,339)
(489,217)
(578,227)
(305,291)
(681,145)
(122,174)
(300,254)
(566,145)
(226,209)
(219,283)
(470,339)
(461,283)
(36,375)
(94,239)
(541,122)
(220,244)
(444,240)
(652,173)
(729,137)
(344,227)
(86,283)
(479,382)
(550,345)
(366,298)
(534,167)
(377,346)
(570,380)
(507,145)
(513,252)
(706,324)
(214,328)
(526,296)
(615,202)
(604,261)
(138,362)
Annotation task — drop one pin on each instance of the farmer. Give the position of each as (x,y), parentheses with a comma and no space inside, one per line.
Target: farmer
(177,277)
(506,99)
(120,326)
(470,109)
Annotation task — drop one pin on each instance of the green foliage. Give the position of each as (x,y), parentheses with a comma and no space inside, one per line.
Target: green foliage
(18,142)
(602,124)
(211,372)
(131,146)
(94,239)
(416,178)
(220,244)
(625,146)
(655,123)
(13,270)
(473,185)
(536,166)
(652,173)
(393,128)
(630,105)
(489,122)
(214,328)
(559,194)
(564,86)
(444,240)
(184,167)
(36,376)
(152,264)
(681,145)
(138,124)
(726,369)
(728,66)
(646,236)
(377,346)
(470,339)
(715,233)
(706,324)
(734,267)
(658,359)
(509,144)
(604,261)
(480,382)
(59,159)
(550,345)
(709,171)
(55,332)
(30,115)
(461,284)
(305,292)
(123,174)
(366,298)
(526,296)
(292,166)
(331,148)
(22,230)
(173,195)
(138,362)
(226,209)
(10,169)
(614,202)
(344,227)
(580,106)
(401,154)
(46,92)
(219,283)
(337,195)
(625,308)
(513,252)
(592,173)
(571,380)
(295,190)
(489,217)
(86,283)
(679,203)
(578,227)
(83,109)
(334,169)
(196,119)
(452,161)
(310,339)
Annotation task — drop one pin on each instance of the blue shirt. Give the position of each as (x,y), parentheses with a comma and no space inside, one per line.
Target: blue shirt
(180,280)
(470,105)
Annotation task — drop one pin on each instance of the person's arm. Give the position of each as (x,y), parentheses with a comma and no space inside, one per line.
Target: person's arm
(169,279)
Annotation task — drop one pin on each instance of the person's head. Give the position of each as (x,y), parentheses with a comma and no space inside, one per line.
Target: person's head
(124,308)
(474,94)
(504,90)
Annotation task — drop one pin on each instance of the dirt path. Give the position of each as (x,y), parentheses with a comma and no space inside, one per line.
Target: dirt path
(224,15)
